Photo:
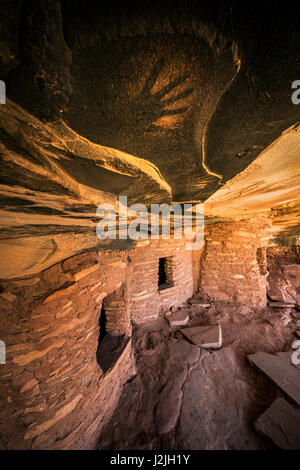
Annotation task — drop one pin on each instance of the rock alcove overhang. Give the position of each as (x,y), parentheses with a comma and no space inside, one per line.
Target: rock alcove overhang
(164,104)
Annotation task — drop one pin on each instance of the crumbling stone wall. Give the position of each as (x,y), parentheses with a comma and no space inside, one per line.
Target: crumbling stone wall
(284,273)
(54,394)
(233,266)
(117,311)
(147,301)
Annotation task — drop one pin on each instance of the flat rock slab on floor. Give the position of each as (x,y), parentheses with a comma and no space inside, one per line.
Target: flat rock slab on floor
(179,318)
(281,305)
(209,336)
(275,298)
(280,372)
(287,356)
(199,304)
(281,423)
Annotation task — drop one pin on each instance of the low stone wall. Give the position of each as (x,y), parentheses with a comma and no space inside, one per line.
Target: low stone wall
(233,263)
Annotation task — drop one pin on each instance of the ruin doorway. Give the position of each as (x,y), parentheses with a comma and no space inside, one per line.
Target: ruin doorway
(114,327)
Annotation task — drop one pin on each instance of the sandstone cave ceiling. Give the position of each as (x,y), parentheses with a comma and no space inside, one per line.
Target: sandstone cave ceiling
(172,102)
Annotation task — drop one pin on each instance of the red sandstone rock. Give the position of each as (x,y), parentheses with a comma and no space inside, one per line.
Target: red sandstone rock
(57,340)
(281,424)
(61,293)
(181,317)
(206,337)
(8,297)
(281,305)
(85,272)
(235,256)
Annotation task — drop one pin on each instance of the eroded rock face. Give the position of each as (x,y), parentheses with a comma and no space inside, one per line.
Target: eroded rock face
(283,282)
(286,223)
(163,105)
(160,105)
(156,97)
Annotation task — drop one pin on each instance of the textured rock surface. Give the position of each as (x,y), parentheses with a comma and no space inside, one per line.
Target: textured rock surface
(146,300)
(233,264)
(52,383)
(283,374)
(159,104)
(281,424)
(283,283)
(52,388)
(178,318)
(204,336)
(199,399)
(173,103)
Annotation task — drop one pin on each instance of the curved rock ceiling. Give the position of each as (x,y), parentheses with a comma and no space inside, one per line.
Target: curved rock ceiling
(271,179)
(179,102)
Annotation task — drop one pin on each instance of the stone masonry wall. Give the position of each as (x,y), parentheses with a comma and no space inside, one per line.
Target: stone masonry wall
(283,283)
(117,308)
(53,393)
(233,263)
(147,301)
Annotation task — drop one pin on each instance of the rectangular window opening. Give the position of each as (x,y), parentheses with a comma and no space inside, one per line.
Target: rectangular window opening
(165,273)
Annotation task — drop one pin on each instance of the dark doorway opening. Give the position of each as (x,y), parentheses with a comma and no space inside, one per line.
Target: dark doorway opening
(162,276)
(102,324)
(110,346)
(165,273)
